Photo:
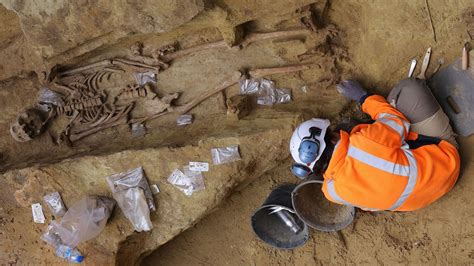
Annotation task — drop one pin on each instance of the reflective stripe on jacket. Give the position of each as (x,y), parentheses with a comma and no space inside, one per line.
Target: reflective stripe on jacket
(373,168)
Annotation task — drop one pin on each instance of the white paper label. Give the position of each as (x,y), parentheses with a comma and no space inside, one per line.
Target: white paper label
(199,166)
(38,216)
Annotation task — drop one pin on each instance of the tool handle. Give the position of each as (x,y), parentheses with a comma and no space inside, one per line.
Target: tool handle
(465,58)
(454,106)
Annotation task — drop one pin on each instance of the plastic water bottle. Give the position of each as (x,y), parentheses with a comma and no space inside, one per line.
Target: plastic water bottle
(70,254)
(289,221)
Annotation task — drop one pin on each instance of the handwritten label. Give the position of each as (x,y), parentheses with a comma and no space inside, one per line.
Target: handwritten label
(199,166)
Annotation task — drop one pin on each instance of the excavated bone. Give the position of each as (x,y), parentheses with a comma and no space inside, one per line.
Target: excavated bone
(29,124)
(135,91)
(180,53)
(163,51)
(238,106)
(262,72)
(78,105)
(118,118)
(190,105)
(255,37)
(100,64)
(117,62)
(250,38)
(137,55)
(137,48)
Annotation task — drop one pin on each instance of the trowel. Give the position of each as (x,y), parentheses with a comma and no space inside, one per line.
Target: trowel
(424,65)
(412,68)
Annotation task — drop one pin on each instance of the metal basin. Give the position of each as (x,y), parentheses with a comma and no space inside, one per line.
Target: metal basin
(316,211)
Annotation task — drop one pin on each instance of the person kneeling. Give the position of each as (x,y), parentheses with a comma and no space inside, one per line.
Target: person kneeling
(405,160)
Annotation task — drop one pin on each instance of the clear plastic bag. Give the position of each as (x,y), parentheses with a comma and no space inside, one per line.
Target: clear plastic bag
(47,99)
(188,182)
(138,130)
(51,236)
(145,77)
(265,90)
(183,120)
(225,155)
(196,177)
(266,84)
(267,94)
(47,96)
(179,180)
(249,86)
(55,204)
(133,194)
(133,204)
(84,220)
(283,95)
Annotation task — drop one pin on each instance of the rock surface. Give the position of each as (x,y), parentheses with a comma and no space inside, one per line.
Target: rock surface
(80,32)
(75,23)
(55,32)
(118,244)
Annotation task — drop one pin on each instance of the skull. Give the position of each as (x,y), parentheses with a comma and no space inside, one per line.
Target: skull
(28,125)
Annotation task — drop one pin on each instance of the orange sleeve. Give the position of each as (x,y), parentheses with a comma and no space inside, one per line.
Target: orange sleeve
(390,128)
(376,104)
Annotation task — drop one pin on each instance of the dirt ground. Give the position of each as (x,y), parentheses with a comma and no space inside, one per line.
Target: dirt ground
(382,37)
(438,235)
(370,41)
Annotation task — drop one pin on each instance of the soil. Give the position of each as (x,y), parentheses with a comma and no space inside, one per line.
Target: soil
(372,42)
(439,234)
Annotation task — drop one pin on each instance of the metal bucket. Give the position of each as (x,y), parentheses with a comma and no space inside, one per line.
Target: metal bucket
(276,223)
(316,211)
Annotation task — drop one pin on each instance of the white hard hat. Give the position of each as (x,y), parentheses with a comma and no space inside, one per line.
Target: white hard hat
(307,144)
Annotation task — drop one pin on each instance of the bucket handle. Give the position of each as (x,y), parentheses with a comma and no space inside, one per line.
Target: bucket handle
(304,182)
(313,181)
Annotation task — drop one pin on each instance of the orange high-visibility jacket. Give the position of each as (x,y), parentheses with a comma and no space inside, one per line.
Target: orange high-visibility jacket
(374,169)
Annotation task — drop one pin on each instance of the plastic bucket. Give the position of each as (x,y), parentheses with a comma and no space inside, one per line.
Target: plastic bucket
(316,211)
(276,223)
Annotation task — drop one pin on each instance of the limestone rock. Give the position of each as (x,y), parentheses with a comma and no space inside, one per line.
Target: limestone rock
(118,243)
(55,26)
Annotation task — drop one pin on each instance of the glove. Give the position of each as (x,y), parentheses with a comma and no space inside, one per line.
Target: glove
(351,89)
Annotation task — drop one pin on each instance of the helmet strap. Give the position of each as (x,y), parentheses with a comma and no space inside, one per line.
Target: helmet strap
(323,162)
